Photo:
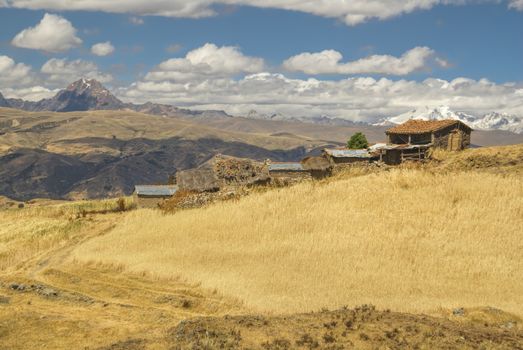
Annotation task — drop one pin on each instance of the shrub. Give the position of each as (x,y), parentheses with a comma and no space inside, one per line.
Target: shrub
(120,204)
(358,141)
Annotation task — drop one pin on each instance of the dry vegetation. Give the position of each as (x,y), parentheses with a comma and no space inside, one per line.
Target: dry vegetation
(415,239)
(407,240)
(27,232)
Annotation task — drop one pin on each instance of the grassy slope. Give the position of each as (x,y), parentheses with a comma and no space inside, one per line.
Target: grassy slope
(122,125)
(410,240)
(442,238)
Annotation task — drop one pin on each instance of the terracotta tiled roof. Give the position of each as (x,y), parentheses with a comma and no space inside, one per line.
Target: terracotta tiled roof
(422,126)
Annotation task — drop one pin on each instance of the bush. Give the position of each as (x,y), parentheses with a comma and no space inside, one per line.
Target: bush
(120,204)
(358,141)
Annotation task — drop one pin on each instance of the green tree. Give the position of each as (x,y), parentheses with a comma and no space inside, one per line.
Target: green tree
(358,141)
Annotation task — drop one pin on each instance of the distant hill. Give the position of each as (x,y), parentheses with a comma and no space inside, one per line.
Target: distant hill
(98,154)
(103,147)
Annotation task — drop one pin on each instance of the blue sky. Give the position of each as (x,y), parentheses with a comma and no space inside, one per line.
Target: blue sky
(475,42)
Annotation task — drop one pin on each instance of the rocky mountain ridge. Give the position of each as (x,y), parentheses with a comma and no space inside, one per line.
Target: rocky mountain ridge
(89,94)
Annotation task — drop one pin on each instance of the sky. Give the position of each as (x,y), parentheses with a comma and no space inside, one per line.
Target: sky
(352,59)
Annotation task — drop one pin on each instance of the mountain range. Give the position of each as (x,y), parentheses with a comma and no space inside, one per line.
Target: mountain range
(489,121)
(89,95)
(103,147)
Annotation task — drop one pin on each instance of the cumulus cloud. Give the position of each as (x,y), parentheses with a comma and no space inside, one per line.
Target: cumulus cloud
(52,34)
(351,12)
(18,80)
(208,61)
(329,62)
(60,72)
(32,93)
(102,49)
(12,73)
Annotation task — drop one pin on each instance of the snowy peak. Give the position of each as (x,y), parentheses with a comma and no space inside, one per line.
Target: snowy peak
(500,121)
(490,121)
(428,113)
(87,85)
(84,95)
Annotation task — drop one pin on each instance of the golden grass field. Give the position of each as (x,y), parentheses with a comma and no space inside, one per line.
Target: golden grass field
(408,240)
(411,239)
(33,230)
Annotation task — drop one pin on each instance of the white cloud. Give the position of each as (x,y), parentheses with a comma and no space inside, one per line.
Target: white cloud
(351,12)
(18,80)
(14,74)
(52,34)
(102,49)
(328,62)
(60,72)
(136,20)
(206,62)
(516,4)
(33,93)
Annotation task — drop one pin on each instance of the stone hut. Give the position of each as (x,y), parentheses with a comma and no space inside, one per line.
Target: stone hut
(319,167)
(151,196)
(221,172)
(452,135)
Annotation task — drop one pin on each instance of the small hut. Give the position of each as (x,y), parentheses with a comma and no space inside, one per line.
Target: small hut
(449,134)
(222,172)
(151,196)
(319,167)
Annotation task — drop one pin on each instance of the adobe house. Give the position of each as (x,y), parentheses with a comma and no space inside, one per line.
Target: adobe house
(151,196)
(448,134)
(412,139)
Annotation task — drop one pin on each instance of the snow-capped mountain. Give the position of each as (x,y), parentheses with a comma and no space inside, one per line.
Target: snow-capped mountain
(499,121)
(490,121)
(428,113)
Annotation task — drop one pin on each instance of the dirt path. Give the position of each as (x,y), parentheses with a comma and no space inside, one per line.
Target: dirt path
(51,300)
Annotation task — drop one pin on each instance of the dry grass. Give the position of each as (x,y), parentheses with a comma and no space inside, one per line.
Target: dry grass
(408,240)
(496,159)
(28,231)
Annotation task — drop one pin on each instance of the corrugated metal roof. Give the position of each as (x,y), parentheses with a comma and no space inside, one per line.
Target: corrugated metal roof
(406,146)
(286,167)
(348,153)
(152,190)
